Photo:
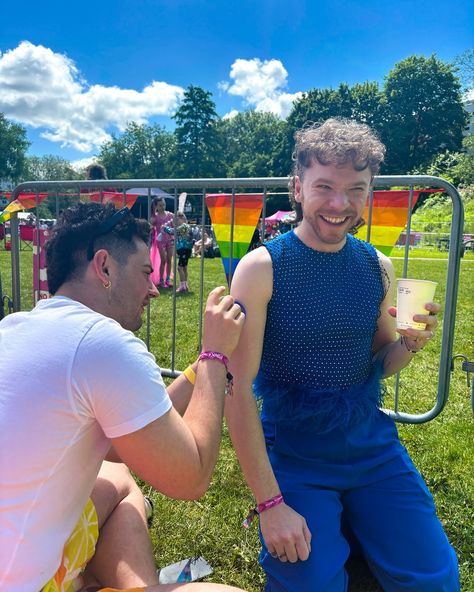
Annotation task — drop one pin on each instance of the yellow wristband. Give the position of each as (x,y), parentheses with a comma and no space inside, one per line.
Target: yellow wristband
(190,374)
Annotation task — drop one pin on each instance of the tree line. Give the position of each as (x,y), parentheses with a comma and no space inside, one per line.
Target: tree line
(418,113)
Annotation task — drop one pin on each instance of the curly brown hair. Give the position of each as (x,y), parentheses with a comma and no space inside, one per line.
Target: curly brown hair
(337,141)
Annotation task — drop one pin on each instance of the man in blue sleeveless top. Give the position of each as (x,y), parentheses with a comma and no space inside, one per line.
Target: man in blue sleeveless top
(319,336)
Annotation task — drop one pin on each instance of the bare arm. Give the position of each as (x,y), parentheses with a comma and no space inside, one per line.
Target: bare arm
(387,346)
(284,531)
(180,391)
(241,410)
(177,454)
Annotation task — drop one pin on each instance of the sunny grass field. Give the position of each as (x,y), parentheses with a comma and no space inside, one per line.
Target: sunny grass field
(442,448)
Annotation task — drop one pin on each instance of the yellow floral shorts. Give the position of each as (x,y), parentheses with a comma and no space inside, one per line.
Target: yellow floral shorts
(78,550)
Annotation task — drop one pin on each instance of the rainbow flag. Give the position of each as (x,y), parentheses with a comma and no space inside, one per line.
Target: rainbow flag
(247,211)
(25,201)
(389,217)
(116,197)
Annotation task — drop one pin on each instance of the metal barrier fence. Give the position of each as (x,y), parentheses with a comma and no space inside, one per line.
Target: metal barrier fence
(268,187)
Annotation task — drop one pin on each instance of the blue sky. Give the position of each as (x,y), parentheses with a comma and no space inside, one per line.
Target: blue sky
(74,72)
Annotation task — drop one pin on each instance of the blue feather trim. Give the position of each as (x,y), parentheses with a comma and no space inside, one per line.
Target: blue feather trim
(320,410)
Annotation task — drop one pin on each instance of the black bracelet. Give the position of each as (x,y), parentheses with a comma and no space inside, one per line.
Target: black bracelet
(412,351)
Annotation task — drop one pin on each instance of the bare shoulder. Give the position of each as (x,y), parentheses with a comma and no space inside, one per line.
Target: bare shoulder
(254,275)
(387,266)
(258,257)
(385,262)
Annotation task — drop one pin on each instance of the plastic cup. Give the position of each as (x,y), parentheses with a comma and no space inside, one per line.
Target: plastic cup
(412,295)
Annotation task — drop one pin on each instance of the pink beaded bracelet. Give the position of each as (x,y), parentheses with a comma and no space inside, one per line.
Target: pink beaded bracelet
(266,505)
(212,355)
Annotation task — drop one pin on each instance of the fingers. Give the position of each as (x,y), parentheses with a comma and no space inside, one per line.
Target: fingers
(429,319)
(226,303)
(433,307)
(392,311)
(215,295)
(415,339)
(223,322)
(307,536)
(284,555)
(286,534)
(291,552)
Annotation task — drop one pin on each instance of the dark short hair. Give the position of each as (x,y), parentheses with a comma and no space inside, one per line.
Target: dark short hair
(95,172)
(76,229)
(337,141)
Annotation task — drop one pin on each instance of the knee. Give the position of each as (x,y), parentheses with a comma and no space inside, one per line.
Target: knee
(444,579)
(125,482)
(122,481)
(440,577)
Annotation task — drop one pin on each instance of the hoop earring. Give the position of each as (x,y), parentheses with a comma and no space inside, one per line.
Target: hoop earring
(107,285)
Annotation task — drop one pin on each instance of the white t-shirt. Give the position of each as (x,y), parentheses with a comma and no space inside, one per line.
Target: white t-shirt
(70,379)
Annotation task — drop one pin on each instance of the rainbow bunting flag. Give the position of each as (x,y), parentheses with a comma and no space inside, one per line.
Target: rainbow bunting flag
(25,201)
(116,197)
(247,210)
(389,217)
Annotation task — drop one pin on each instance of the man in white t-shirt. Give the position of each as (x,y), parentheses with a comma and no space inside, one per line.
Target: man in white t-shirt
(77,390)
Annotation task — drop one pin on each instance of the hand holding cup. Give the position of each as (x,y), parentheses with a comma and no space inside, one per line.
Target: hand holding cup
(416,312)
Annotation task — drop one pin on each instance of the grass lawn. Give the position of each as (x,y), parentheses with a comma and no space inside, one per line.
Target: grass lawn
(442,448)
(428,253)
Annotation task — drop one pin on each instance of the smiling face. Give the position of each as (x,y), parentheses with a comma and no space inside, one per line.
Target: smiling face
(333,199)
(132,288)
(160,206)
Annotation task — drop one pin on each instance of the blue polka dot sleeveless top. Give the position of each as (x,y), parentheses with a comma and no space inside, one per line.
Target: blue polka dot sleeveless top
(320,324)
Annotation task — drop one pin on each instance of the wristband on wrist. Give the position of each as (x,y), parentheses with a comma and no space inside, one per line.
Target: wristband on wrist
(190,375)
(212,355)
(259,508)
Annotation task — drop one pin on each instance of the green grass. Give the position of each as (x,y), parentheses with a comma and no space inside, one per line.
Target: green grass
(427,252)
(442,448)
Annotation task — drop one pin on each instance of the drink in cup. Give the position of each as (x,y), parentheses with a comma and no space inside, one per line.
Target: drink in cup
(412,295)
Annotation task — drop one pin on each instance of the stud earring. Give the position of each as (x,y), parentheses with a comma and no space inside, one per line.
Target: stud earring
(107,284)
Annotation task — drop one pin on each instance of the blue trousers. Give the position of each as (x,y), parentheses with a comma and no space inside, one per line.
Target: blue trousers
(365,475)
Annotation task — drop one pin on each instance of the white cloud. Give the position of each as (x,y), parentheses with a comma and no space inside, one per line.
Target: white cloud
(231,114)
(82,163)
(41,88)
(261,84)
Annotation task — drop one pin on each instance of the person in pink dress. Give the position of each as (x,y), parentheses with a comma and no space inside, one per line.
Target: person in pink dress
(163,234)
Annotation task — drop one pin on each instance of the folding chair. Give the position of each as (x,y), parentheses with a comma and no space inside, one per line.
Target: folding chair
(26,237)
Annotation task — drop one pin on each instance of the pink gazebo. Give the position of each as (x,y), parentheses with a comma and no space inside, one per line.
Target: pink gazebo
(279,216)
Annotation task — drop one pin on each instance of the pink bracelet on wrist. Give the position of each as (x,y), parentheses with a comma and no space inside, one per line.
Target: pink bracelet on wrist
(270,503)
(266,505)
(213,355)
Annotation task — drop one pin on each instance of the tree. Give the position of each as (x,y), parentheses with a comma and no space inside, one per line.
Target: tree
(455,167)
(317,105)
(368,106)
(49,168)
(13,147)
(425,114)
(362,102)
(464,65)
(250,142)
(140,152)
(198,150)
(464,168)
